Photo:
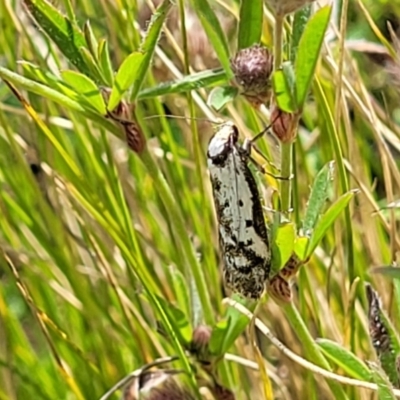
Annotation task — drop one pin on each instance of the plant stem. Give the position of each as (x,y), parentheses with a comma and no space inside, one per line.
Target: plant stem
(310,347)
(286,148)
(278,42)
(286,171)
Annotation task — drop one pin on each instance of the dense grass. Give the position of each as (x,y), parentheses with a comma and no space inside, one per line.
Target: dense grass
(110,258)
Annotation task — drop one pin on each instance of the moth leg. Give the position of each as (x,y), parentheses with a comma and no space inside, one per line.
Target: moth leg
(264,171)
(269,162)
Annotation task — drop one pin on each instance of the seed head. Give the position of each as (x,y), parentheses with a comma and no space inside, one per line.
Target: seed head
(252,68)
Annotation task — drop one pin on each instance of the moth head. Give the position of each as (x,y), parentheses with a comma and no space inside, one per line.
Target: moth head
(223,141)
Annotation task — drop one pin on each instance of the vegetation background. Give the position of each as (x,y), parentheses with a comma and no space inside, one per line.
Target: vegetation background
(110,258)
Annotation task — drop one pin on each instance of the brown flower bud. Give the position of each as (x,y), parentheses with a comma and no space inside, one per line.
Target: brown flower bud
(283,7)
(122,114)
(252,68)
(291,267)
(200,340)
(201,336)
(134,136)
(280,289)
(284,125)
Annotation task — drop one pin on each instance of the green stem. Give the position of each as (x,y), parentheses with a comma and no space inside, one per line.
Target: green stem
(310,348)
(286,171)
(278,41)
(286,148)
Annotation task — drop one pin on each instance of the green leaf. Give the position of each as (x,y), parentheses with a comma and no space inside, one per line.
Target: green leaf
(250,23)
(226,331)
(105,62)
(149,44)
(318,197)
(91,40)
(300,247)
(282,245)
(178,321)
(85,86)
(126,75)
(385,391)
(342,357)
(220,96)
(195,81)
(283,94)
(300,20)
(328,220)
(181,290)
(308,52)
(68,38)
(218,335)
(214,32)
(55,95)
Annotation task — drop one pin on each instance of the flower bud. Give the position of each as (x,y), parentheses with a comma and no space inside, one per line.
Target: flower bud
(283,7)
(284,125)
(280,289)
(200,340)
(291,267)
(252,68)
(201,336)
(122,114)
(134,136)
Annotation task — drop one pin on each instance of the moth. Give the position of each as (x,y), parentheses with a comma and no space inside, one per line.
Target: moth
(243,236)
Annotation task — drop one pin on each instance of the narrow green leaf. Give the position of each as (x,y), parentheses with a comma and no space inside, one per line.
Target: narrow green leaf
(308,52)
(181,290)
(220,96)
(178,321)
(204,79)
(300,247)
(318,197)
(300,20)
(250,23)
(91,40)
(105,62)
(282,90)
(226,331)
(214,32)
(149,44)
(85,86)
(126,76)
(92,65)
(328,219)
(282,245)
(385,391)
(342,357)
(217,337)
(68,38)
(54,95)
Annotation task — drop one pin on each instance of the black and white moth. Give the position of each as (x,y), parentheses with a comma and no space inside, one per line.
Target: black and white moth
(243,234)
